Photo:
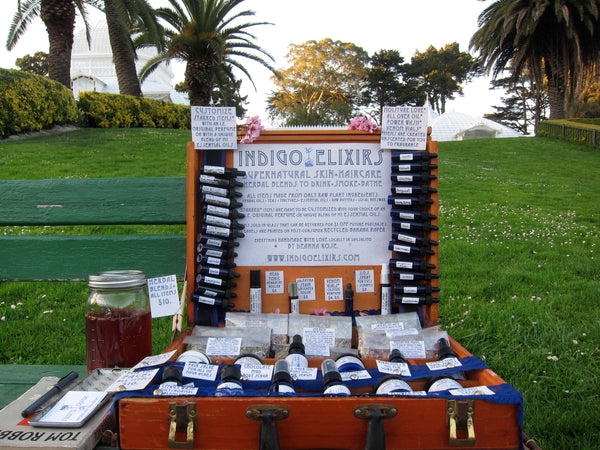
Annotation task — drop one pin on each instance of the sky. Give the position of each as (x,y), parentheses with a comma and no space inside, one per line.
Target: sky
(405,25)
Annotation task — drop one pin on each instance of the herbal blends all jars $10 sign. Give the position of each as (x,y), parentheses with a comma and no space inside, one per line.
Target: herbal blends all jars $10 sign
(118,325)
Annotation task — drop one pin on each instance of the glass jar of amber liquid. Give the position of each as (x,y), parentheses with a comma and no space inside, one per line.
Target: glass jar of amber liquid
(118,325)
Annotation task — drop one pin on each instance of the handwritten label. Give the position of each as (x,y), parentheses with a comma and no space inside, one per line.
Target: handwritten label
(164,296)
(303,373)
(132,381)
(410,349)
(365,281)
(318,340)
(306,289)
(393,368)
(355,375)
(200,371)
(257,373)
(334,289)
(214,127)
(155,360)
(404,127)
(217,346)
(274,282)
(446,363)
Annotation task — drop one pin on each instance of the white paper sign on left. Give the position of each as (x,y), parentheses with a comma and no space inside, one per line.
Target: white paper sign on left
(214,127)
(164,296)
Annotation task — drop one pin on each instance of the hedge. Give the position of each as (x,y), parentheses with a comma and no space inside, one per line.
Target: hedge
(125,111)
(31,102)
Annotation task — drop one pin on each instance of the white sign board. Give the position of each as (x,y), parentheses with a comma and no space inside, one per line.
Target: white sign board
(314,204)
(404,127)
(214,127)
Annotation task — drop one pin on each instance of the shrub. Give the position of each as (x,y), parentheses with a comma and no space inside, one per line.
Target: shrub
(31,102)
(123,111)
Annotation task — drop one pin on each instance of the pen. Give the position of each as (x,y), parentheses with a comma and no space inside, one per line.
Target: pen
(62,383)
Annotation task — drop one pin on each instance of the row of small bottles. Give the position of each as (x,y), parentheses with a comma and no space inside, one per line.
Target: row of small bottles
(220,228)
(411,243)
(333,384)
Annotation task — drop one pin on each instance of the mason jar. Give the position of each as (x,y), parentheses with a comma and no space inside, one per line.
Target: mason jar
(118,325)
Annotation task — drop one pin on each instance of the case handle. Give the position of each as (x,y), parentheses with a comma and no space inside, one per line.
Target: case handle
(268,414)
(375,413)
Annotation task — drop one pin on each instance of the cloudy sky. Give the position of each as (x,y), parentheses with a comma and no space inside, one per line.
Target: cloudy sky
(405,25)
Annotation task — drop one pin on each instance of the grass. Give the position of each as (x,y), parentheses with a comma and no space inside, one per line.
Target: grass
(519,271)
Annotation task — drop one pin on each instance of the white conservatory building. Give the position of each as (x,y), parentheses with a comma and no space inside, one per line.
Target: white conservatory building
(92,68)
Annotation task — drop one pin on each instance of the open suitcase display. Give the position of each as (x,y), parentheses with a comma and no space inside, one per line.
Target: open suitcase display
(310,419)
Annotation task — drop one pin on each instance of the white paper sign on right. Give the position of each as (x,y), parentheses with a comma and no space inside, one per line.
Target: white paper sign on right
(404,127)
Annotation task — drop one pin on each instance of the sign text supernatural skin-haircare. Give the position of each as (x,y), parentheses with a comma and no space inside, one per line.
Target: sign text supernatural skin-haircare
(312,205)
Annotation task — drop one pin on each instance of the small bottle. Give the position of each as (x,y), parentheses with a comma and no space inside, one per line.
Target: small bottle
(332,380)
(255,292)
(396,356)
(230,378)
(172,374)
(281,380)
(294,300)
(442,383)
(392,384)
(348,362)
(296,357)
(349,300)
(385,290)
(444,352)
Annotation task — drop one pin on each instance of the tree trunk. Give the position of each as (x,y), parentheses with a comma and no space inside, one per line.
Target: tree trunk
(557,85)
(59,18)
(197,79)
(123,52)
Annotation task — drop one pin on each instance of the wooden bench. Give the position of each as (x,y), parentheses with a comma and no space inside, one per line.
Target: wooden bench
(98,202)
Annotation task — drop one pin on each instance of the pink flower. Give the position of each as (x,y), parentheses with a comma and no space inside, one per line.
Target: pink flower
(322,312)
(253,129)
(363,123)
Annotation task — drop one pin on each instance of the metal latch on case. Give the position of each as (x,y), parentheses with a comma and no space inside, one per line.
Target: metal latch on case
(182,418)
(268,414)
(460,416)
(375,413)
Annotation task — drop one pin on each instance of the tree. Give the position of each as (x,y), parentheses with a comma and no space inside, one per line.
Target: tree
(122,18)
(206,35)
(322,84)
(38,63)
(524,106)
(553,38)
(59,18)
(441,73)
(385,84)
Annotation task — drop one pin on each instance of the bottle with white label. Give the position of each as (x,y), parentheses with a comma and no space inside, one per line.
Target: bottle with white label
(296,357)
(281,381)
(385,290)
(294,300)
(230,379)
(392,384)
(332,380)
(255,292)
(248,359)
(445,352)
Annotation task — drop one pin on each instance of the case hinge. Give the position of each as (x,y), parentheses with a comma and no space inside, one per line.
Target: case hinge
(182,418)
(460,415)
(268,414)
(375,413)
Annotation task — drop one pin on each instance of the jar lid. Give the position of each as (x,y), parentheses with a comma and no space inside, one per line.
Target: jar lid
(113,279)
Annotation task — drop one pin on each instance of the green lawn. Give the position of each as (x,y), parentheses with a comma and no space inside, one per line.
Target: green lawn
(518,268)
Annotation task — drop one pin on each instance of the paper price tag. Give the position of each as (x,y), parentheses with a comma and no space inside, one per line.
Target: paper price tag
(200,371)
(132,381)
(447,363)
(355,375)
(257,373)
(155,360)
(173,389)
(476,390)
(393,368)
(164,296)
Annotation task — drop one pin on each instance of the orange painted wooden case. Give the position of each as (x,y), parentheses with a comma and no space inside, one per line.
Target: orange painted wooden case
(314,422)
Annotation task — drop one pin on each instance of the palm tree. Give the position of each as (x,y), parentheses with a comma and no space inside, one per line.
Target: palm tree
(59,18)
(204,34)
(555,38)
(123,17)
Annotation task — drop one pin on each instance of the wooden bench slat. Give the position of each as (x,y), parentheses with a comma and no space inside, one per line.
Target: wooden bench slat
(62,258)
(93,201)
